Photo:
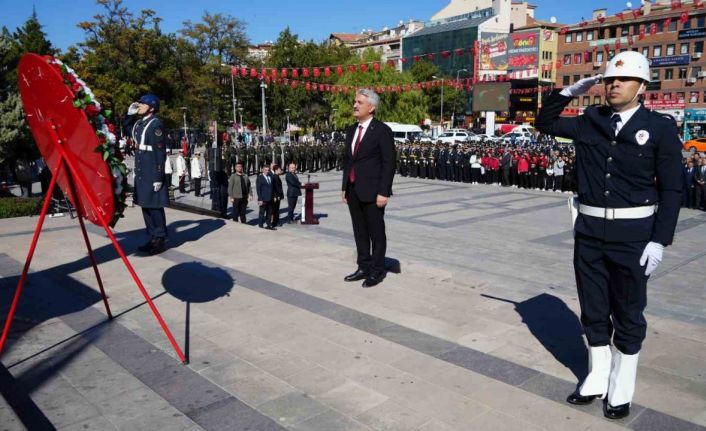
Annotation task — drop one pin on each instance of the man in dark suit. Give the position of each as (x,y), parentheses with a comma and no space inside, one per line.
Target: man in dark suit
(629,175)
(700,185)
(294,190)
(265,196)
(368,170)
(277,193)
(689,185)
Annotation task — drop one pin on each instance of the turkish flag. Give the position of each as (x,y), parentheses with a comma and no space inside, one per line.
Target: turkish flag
(642,34)
(295,73)
(363,67)
(684,18)
(653,29)
(667,23)
(620,15)
(339,70)
(327,71)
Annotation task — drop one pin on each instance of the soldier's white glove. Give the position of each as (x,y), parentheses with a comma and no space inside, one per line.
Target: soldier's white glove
(652,256)
(132,110)
(581,86)
(157,186)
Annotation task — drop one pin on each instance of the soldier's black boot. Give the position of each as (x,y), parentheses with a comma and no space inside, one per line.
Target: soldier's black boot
(158,246)
(147,246)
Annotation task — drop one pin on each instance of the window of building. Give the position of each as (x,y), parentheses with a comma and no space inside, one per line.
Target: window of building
(568,38)
(589,57)
(684,48)
(586,100)
(682,73)
(670,49)
(575,101)
(646,51)
(667,96)
(687,24)
(567,59)
(636,29)
(695,70)
(700,20)
(596,100)
(668,74)
(599,56)
(577,58)
(681,97)
(589,35)
(657,51)
(673,25)
(566,80)
(660,26)
(654,75)
(611,54)
(624,30)
(612,32)
(694,97)
(699,46)
(579,36)
(577,78)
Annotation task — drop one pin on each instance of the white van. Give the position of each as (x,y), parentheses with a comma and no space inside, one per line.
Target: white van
(525,129)
(405,132)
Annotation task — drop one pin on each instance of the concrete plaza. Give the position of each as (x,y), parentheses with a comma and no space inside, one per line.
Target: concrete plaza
(475,329)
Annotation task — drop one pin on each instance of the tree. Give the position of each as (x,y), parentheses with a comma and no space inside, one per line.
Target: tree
(423,71)
(406,107)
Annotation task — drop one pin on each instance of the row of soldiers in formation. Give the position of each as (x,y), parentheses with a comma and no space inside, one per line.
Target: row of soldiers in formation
(547,166)
(313,157)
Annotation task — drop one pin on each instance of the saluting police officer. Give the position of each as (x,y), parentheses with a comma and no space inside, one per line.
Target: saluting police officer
(628,168)
(142,124)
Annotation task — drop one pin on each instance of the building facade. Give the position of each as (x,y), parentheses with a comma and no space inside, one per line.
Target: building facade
(673,40)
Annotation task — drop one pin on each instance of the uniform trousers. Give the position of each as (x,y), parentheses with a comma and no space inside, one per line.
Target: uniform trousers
(612,290)
(156,222)
(368,230)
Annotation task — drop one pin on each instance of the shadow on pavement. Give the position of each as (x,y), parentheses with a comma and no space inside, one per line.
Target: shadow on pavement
(555,326)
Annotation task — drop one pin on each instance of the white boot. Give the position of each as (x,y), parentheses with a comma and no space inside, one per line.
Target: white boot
(596,382)
(622,379)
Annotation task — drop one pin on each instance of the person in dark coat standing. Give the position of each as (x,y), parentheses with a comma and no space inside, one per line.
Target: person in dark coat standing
(145,129)
(277,193)
(239,189)
(369,168)
(294,190)
(265,196)
(629,177)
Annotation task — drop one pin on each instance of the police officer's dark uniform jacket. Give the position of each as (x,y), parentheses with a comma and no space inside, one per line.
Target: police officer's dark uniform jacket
(150,157)
(620,172)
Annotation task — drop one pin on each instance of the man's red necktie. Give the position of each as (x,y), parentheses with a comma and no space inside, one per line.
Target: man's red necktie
(351,173)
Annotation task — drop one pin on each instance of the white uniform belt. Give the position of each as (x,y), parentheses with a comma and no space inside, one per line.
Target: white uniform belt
(144,147)
(618,213)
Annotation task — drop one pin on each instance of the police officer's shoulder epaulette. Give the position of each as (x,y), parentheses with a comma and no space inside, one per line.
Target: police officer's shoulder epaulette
(661,116)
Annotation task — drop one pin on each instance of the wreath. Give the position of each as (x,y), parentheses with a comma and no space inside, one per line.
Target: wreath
(85,100)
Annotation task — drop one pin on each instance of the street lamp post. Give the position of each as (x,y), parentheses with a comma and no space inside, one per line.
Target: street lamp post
(232,89)
(453,115)
(289,133)
(186,135)
(441,115)
(264,114)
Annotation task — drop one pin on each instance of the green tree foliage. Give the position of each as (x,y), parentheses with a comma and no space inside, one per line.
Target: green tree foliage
(406,107)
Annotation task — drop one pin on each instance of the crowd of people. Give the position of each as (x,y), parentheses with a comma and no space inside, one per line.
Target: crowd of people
(694,193)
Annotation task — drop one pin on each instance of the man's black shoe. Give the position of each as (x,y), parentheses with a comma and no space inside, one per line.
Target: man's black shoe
(619,412)
(373,280)
(147,246)
(359,274)
(271,228)
(581,400)
(158,247)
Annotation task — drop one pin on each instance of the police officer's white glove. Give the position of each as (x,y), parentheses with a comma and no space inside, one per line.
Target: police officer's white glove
(157,186)
(132,110)
(652,256)
(581,86)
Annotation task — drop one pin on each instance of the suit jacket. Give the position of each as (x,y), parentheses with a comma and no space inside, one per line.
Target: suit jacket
(640,166)
(374,163)
(265,191)
(689,175)
(277,190)
(698,175)
(293,185)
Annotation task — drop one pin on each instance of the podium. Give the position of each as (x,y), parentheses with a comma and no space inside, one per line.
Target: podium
(308,214)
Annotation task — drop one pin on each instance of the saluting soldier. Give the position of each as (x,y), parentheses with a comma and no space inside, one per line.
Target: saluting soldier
(145,129)
(628,168)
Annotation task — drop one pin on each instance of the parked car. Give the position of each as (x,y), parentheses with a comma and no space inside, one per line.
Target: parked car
(454,135)
(695,145)
(517,137)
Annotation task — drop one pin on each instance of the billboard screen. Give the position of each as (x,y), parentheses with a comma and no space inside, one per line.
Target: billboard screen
(491,96)
(493,52)
(523,52)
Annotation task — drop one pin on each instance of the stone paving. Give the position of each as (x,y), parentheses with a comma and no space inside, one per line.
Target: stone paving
(475,329)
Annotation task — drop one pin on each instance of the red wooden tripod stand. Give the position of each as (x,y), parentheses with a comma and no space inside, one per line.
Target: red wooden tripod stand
(66,162)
